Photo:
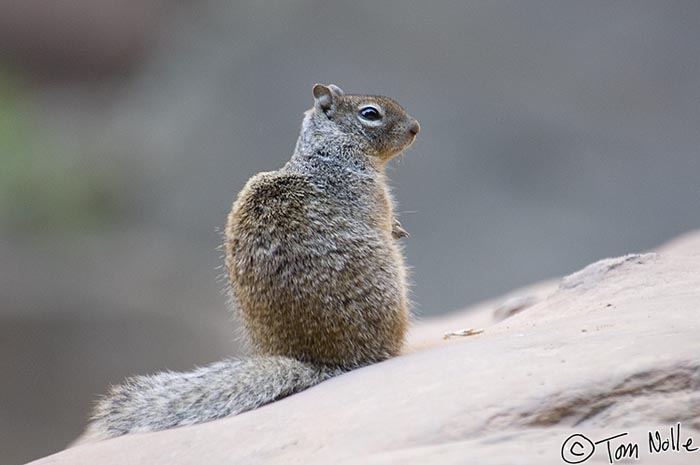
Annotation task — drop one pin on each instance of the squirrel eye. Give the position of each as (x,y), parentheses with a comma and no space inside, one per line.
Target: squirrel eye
(370,114)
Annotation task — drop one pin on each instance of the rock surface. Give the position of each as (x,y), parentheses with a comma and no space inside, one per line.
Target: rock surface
(610,349)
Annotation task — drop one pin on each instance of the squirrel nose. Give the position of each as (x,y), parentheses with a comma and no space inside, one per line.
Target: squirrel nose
(414,127)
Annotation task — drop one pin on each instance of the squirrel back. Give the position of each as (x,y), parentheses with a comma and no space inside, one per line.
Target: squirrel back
(314,269)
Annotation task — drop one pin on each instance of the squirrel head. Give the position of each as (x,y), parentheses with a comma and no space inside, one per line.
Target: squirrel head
(377,126)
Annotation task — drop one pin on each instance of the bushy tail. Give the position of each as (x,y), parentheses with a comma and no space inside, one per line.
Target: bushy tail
(228,387)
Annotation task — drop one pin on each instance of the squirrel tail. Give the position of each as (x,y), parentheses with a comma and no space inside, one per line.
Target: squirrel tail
(228,387)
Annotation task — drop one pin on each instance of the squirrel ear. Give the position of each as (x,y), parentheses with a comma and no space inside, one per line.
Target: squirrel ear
(326,96)
(336,89)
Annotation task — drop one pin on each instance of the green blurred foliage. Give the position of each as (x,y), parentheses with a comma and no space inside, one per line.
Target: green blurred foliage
(45,188)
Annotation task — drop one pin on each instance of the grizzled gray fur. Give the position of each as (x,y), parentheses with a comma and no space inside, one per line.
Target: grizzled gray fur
(314,267)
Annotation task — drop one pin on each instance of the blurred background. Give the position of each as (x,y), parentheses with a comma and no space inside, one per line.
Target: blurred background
(553,133)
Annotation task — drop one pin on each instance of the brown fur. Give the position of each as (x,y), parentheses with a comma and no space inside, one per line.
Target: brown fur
(310,254)
(314,268)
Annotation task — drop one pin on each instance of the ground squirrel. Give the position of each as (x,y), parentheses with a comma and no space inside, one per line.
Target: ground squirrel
(314,269)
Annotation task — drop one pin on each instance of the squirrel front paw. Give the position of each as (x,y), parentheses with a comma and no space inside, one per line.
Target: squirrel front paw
(397,231)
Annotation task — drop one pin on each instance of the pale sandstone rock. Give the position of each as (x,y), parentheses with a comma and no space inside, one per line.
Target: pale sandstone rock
(613,348)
